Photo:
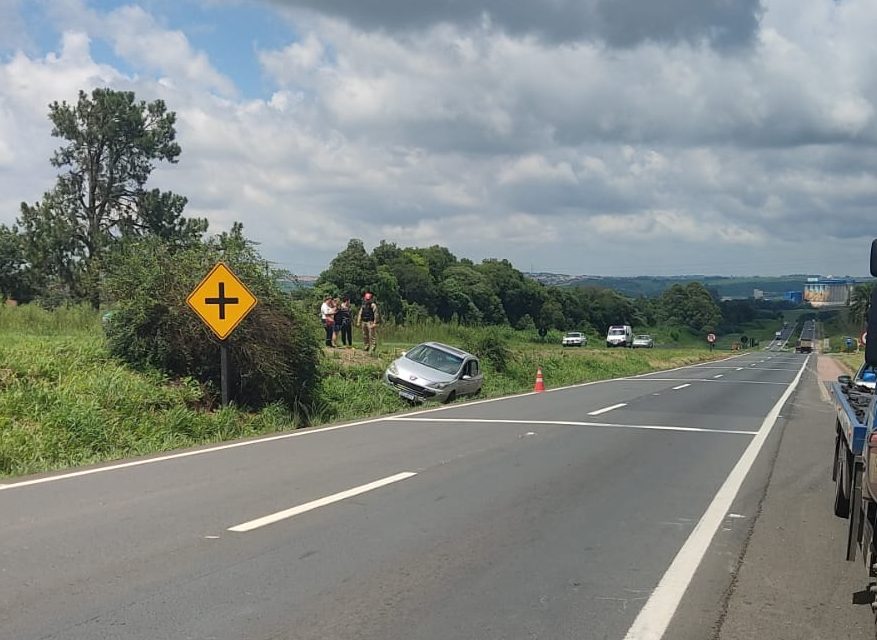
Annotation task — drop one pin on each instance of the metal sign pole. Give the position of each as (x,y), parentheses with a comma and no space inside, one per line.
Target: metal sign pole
(223,366)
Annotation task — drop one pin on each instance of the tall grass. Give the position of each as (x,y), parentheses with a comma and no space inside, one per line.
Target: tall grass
(32,319)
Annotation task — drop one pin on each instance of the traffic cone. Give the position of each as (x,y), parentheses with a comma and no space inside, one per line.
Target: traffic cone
(540,384)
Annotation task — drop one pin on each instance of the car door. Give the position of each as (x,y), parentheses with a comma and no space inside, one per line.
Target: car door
(470,379)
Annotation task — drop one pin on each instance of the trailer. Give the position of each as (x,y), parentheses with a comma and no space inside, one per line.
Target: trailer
(854,409)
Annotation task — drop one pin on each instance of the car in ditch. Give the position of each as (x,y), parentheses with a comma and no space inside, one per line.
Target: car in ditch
(643,341)
(574,339)
(435,371)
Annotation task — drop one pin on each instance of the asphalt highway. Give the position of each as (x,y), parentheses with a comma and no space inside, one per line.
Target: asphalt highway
(581,512)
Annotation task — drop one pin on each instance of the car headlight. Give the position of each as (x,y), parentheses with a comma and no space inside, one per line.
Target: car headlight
(438,385)
(393,370)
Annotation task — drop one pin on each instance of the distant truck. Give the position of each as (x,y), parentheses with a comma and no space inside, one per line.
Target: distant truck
(804,345)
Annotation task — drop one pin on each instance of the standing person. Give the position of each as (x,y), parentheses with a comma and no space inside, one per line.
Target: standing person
(327,315)
(336,329)
(344,322)
(368,317)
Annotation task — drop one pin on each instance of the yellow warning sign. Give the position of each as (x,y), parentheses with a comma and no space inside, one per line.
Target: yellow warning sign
(221,301)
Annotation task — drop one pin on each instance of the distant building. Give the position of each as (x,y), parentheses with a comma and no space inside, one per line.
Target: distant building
(758,294)
(828,292)
(796,297)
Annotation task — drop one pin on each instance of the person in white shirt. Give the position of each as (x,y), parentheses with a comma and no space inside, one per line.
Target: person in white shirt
(327,315)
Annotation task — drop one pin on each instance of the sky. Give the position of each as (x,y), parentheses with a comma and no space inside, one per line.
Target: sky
(600,137)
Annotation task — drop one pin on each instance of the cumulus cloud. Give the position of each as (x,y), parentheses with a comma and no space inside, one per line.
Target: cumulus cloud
(620,23)
(734,138)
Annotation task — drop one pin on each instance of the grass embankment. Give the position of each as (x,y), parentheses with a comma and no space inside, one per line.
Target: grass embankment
(850,361)
(65,402)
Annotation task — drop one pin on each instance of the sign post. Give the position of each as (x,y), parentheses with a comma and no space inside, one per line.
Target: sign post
(711,338)
(222,301)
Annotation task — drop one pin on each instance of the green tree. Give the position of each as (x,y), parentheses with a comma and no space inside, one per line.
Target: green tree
(17,278)
(111,145)
(692,306)
(351,272)
(860,302)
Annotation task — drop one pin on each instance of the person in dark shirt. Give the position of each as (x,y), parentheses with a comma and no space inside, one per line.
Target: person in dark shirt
(344,322)
(368,318)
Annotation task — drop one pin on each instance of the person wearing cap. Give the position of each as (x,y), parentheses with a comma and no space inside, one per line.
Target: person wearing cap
(368,319)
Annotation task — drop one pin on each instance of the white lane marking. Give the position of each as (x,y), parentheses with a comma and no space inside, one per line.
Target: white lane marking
(566,423)
(738,368)
(681,386)
(654,618)
(307,432)
(721,375)
(321,502)
(728,381)
(607,409)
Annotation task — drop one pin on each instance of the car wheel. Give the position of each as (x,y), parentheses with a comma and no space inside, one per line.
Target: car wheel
(451,397)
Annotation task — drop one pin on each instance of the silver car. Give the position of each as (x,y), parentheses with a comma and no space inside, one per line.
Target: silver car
(435,371)
(643,341)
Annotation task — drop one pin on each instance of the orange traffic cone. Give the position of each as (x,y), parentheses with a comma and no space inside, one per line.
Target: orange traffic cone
(540,384)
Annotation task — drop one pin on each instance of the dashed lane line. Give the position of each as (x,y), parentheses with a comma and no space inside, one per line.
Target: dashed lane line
(321,502)
(607,409)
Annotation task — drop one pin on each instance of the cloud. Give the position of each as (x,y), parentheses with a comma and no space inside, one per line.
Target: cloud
(618,23)
(748,150)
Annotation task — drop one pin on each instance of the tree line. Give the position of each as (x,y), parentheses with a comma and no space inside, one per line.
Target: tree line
(417,283)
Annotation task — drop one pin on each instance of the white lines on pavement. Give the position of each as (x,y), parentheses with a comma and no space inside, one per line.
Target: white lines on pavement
(653,619)
(682,386)
(566,423)
(607,409)
(720,375)
(321,502)
(725,381)
(738,368)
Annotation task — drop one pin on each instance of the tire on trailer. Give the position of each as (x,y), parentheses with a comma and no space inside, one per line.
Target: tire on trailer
(841,484)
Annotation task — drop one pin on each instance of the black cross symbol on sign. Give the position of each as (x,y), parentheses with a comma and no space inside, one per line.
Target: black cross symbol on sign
(221,301)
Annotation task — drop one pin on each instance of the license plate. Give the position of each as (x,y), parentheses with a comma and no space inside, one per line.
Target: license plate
(408,395)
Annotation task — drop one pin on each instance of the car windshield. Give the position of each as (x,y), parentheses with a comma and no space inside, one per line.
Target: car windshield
(616,332)
(573,335)
(643,338)
(435,358)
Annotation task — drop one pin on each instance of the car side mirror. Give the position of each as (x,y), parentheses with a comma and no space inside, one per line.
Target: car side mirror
(847,380)
(466,376)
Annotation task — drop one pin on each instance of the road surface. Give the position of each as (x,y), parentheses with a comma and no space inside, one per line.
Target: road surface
(578,513)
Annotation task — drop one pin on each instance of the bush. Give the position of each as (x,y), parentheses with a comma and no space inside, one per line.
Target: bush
(491,345)
(273,353)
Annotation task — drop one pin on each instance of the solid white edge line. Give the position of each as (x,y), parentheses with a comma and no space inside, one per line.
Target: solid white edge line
(320,502)
(653,619)
(567,423)
(607,409)
(682,386)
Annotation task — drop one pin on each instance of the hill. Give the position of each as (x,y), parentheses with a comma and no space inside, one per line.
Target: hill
(727,286)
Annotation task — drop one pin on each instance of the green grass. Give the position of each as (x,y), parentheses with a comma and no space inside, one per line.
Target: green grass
(65,402)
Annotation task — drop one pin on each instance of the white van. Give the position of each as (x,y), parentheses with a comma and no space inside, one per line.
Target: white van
(620,335)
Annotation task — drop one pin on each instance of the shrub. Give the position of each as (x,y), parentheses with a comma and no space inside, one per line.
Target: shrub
(491,345)
(273,353)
